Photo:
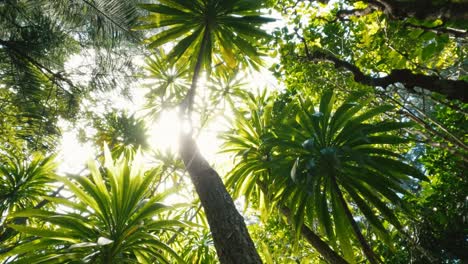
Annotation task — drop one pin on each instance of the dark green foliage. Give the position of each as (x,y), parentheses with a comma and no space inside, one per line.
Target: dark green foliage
(121,131)
(297,154)
(37,86)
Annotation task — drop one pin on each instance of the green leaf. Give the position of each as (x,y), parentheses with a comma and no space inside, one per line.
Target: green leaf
(370,216)
(342,228)
(428,51)
(57,235)
(294,170)
(184,44)
(326,105)
(168,35)
(163,9)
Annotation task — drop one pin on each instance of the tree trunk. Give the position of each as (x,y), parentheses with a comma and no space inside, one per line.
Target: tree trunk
(323,248)
(231,237)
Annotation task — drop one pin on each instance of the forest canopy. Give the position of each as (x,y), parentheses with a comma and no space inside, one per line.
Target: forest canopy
(242,131)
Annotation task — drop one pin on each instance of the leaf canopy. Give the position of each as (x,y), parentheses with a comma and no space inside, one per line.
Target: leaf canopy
(227,28)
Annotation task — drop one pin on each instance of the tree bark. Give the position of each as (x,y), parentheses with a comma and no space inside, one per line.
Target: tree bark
(453,89)
(231,237)
(403,15)
(323,248)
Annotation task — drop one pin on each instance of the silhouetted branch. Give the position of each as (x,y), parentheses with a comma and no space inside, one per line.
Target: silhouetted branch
(453,89)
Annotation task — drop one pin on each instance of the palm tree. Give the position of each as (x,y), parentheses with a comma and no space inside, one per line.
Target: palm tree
(204,27)
(122,132)
(325,165)
(23,183)
(24,180)
(251,176)
(168,83)
(198,248)
(114,218)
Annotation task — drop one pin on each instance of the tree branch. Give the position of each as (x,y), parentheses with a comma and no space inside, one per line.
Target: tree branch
(50,74)
(452,89)
(321,246)
(344,13)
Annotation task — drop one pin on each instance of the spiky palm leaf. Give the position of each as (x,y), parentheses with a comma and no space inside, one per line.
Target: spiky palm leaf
(106,22)
(246,141)
(199,248)
(23,181)
(168,83)
(112,220)
(122,132)
(226,86)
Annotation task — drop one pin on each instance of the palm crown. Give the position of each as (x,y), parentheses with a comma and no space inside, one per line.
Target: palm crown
(319,162)
(205,26)
(24,181)
(114,218)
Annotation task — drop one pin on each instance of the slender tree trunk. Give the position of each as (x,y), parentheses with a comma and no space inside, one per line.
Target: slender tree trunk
(323,248)
(230,235)
(371,256)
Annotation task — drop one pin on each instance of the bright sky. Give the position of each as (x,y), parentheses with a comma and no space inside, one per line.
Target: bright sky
(163,134)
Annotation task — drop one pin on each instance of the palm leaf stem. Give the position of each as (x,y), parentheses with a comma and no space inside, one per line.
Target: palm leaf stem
(371,256)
